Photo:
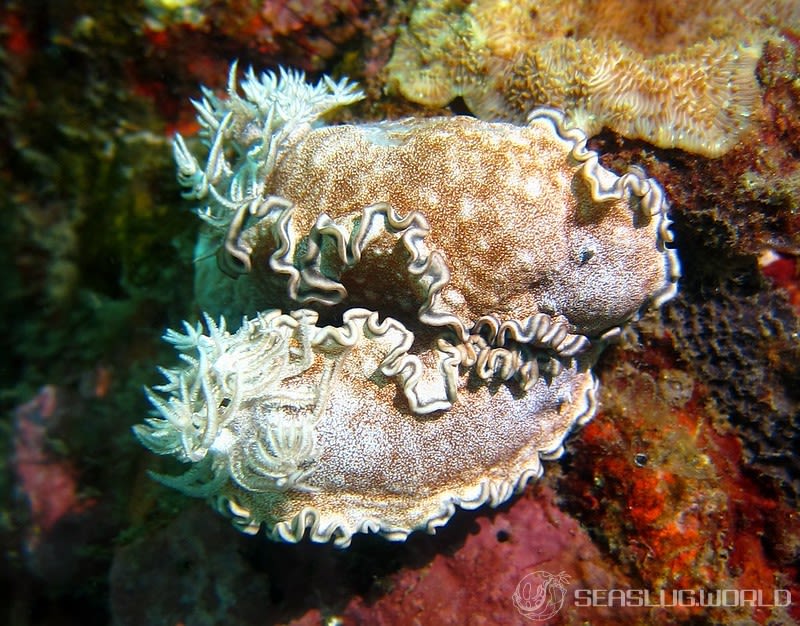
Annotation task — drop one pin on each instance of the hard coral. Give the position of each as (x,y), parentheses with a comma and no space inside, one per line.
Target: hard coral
(699,99)
(495,261)
(675,75)
(753,332)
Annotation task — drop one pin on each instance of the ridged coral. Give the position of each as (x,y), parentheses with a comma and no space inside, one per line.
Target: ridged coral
(672,74)
(753,332)
(699,99)
(467,275)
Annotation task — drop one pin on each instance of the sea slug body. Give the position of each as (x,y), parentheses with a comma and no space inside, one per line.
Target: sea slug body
(423,300)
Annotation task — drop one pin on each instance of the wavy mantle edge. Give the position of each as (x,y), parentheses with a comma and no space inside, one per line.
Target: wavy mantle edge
(324,528)
(653,201)
(307,283)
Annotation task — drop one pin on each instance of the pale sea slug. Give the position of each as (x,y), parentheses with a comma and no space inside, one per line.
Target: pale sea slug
(463,278)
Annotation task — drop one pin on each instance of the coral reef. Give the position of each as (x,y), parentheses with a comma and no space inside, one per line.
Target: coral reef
(676,75)
(467,574)
(753,332)
(65,524)
(306,33)
(731,215)
(49,483)
(685,478)
(660,482)
(699,100)
(299,425)
(81,165)
(204,580)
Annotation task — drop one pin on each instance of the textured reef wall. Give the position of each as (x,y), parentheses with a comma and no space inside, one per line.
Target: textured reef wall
(687,476)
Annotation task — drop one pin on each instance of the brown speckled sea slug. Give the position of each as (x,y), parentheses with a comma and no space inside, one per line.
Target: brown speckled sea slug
(446,285)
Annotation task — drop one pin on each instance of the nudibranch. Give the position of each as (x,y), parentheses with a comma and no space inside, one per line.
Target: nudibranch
(422,301)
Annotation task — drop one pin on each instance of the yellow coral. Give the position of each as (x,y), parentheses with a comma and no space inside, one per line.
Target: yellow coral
(679,75)
(698,100)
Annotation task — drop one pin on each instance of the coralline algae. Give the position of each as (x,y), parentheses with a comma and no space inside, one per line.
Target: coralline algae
(446,284)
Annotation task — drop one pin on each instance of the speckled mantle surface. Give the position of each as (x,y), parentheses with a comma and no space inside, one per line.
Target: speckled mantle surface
(682,480)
